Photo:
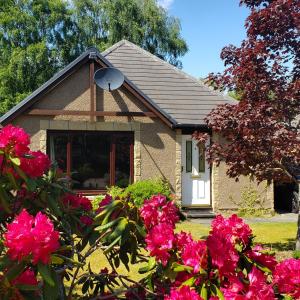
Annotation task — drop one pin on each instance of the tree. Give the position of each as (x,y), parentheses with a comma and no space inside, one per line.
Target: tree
(38,38)
(262,128)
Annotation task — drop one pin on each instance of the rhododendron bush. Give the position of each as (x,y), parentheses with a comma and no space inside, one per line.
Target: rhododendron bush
(49,233)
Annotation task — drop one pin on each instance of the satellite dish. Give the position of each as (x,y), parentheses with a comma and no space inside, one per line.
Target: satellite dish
(109,78)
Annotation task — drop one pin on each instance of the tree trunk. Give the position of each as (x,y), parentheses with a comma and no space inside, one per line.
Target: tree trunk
(298,231)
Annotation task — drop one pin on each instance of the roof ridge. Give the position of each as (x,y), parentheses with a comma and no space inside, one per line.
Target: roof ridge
(113,47)
(197,81)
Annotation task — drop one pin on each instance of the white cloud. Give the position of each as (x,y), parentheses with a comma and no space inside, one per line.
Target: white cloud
(166,4)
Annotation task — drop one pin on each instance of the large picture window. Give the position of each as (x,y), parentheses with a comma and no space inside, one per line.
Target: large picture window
(94,160)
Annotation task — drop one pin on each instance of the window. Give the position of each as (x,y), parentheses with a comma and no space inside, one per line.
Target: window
(201,148)
(94,160)
(189,157)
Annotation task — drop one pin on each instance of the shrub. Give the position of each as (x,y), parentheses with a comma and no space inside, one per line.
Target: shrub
(145,189)
(48,234)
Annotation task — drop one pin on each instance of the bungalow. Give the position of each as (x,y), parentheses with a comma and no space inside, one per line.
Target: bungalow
(141,130)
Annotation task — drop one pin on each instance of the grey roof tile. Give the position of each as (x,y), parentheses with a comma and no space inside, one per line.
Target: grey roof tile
(186,99)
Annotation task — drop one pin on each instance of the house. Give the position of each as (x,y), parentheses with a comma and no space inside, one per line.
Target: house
(139,131)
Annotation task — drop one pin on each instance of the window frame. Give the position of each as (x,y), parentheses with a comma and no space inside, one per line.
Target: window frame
(114,136)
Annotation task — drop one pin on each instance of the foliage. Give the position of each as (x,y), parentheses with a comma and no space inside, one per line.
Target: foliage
(38,38)
(141,190)
(252,203)
(261,129)
(48,234)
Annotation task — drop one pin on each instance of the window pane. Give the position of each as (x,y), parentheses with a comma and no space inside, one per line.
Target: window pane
(90,161)
(188,156)
(122,173)
(58,150)
(201,147)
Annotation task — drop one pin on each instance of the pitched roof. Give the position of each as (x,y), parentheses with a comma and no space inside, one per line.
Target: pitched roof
(185,99)
(176,96)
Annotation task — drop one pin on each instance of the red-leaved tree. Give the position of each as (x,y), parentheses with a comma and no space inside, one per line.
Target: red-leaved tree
(262,128)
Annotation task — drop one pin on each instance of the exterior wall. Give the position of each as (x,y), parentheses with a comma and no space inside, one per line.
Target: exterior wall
(231,196)
(155,145)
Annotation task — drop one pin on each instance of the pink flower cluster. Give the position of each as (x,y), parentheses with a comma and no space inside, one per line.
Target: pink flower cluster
(257,289)
(159,210)
(31,236)
(222,240)
(77,201)
(36,165)
(221,256)
(14,141)
(183,293)
(26,278)
(159,216)
(287,277)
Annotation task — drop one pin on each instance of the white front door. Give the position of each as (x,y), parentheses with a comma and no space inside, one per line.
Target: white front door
(195,174)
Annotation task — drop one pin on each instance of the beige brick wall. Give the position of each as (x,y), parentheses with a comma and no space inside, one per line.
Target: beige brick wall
(229,195)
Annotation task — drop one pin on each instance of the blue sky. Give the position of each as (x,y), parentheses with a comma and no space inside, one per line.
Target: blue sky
(207,26)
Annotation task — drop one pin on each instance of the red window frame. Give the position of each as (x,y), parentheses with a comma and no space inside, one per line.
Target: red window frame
(114,136)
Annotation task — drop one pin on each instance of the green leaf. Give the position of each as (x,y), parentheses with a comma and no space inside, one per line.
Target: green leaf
(45,272)
(15,160)
(217,292)
(56,260)
(27,287)
(123,222)
(203,292)
(53,205)
(180,268)
(15,271)
(108,225)
(151,265)
(85,287)
(4,262)
(112,244)
(189,282)
(5,200)
(12,181)
(51,292)
(107,209)
(141,230)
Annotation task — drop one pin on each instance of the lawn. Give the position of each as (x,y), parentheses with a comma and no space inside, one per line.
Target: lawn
(277,236)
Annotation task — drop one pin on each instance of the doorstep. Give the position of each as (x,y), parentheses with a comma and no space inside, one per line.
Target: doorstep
(193,213)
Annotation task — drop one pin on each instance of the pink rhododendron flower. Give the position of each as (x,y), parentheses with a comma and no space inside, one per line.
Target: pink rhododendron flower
(157,210)
(222,252)
(106,200)
(18,238)
(46,239)
(26,278)
(182,239)
(258,289)
(183,293)
(35,166)
(27,235)
(77,201)
(86,220)
(160,240)
(258,256)
(194,254)
(14,140)
(287,277)
(232,228)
